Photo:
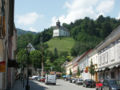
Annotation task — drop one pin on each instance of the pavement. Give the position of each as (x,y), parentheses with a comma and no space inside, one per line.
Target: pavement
(18,85)
(60,85)
(34,85)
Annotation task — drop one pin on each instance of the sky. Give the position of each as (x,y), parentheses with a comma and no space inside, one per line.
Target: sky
(37,15)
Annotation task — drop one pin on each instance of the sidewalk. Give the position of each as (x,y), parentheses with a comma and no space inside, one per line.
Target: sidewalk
(34,85)
(18,85)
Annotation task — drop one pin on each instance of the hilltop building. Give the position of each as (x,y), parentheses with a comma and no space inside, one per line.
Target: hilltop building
(60,30)
(32,48)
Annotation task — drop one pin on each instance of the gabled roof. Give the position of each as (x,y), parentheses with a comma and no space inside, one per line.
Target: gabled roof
(30,45)
(84,54)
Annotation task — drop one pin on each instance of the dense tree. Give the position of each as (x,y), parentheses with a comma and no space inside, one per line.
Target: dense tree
(36,58)
(23,58)
(70,72)
(78,72)
(55,53)
(92,69)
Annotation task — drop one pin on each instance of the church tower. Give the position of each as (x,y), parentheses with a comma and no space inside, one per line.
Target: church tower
(58,24)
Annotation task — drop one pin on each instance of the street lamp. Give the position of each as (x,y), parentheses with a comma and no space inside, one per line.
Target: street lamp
(28,48)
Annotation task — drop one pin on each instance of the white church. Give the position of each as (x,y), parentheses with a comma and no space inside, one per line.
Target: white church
(60,30)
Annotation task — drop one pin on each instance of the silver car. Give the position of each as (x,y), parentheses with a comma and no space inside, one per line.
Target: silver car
(79,81)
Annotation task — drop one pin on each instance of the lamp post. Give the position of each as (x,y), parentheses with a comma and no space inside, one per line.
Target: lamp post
(28,51)
(42,63)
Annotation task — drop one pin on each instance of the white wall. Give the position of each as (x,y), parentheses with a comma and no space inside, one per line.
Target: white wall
(110,55)
(60,32)
(83,63)
(55,32)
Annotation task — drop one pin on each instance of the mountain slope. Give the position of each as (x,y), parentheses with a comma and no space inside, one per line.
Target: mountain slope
(21,32)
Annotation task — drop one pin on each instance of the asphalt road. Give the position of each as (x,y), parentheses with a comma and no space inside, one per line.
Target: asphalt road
(61,85)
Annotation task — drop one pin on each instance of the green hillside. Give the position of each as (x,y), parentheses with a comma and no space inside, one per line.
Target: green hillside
(63,44)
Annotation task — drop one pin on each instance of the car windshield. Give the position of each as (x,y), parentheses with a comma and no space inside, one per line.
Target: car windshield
(115,82)
(80,80)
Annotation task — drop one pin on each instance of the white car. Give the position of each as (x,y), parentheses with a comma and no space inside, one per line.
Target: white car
(34,77)
(50,79)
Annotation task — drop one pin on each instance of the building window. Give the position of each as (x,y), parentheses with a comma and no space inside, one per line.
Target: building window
(112,75)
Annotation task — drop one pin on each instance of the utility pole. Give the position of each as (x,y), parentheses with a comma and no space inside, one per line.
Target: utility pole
(42,64)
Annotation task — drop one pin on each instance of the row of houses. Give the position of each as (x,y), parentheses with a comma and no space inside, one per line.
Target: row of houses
(105,58)
(7,44)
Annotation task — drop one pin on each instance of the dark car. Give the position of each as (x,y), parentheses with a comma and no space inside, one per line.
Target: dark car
(89,83)
(111,85)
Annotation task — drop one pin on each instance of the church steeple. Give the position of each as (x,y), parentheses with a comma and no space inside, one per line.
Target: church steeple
(58,23)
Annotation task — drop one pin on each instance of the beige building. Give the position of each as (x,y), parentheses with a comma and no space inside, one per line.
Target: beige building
(7,44)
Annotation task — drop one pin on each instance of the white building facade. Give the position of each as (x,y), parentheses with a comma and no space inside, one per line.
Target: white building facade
(83,63)
(109,56)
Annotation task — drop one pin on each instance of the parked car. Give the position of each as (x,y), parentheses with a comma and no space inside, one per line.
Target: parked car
(79,81)
(35,77)
(70,80)
(39,78)
(89,83)
(74,80)
(111,85)
(50,79)
(99,85)
(42,79)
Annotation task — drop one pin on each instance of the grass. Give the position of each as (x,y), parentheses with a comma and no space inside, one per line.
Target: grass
(62,44)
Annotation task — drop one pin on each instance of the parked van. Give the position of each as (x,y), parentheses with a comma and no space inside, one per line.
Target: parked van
(50,79)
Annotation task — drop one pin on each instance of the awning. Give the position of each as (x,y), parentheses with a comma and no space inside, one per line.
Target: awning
(103,69)
(2,66)
(99,70)
(111,67)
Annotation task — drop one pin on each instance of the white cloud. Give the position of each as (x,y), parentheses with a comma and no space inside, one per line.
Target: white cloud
(105,6)
(28,19)
(84,8)
(118,17)
(33,29)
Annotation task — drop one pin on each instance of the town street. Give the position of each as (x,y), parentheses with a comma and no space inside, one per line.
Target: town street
(61,85)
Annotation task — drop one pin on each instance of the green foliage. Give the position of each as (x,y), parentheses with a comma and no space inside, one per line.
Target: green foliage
(78,71)
(22,57)
(55,53)
(36,58)
(22,32)
(23,40)
(92,69)
(70,73)
(63,45)
(88,33)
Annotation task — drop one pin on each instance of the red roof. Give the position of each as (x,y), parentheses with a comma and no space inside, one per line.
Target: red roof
(84,54)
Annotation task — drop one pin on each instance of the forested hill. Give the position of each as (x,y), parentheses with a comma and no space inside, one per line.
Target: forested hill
(86,32)
(21,32)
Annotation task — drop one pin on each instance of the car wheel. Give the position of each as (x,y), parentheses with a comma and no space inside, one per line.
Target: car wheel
(83,85)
